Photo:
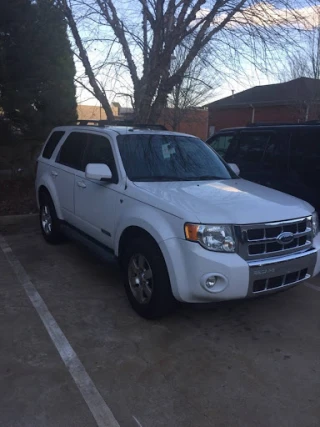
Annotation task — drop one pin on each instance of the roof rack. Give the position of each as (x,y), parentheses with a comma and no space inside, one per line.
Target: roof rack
(257,124)
(126,123)
(312,122)
(309,122)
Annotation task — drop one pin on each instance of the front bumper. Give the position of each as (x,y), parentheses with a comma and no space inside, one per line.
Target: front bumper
(277,274)
(189,265)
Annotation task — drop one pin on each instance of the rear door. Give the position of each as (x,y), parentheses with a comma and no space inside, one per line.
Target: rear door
(68,161)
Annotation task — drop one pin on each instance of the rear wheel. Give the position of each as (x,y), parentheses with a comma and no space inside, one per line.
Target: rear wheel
(147,281)
(49,222)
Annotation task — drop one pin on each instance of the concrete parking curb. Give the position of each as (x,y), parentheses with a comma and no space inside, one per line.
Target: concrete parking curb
(17,219)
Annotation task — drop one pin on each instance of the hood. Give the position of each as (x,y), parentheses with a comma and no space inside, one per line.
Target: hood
(234,201)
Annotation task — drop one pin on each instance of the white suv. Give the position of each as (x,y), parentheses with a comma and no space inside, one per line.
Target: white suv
(182,223)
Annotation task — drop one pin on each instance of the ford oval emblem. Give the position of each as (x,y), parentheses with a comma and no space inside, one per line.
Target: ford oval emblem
(285,238)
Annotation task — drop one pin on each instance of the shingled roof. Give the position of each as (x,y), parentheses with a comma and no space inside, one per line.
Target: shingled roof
(295,91)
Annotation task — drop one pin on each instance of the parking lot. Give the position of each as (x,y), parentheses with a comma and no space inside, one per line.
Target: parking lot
(241,363)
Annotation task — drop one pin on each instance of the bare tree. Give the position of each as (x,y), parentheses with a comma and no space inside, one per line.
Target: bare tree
(198,85)
(304,60)
(150,31)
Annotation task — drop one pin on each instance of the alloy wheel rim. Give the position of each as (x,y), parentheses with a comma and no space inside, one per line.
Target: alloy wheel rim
(140,278)
(46,220)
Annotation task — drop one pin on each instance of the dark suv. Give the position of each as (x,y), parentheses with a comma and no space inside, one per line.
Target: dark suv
(281,156)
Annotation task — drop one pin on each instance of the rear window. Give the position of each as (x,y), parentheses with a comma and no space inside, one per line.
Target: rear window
(52,143)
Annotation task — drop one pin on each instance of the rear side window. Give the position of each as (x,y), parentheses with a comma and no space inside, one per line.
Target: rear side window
(71,152)
(306,144)
(305,154)
(276,153)
(252,146)
(52,143)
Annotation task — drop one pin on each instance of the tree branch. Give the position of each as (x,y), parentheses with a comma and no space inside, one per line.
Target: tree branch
(110,14)
(85,60)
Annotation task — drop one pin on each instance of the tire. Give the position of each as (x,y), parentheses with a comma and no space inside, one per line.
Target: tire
(49,222)
(147,282)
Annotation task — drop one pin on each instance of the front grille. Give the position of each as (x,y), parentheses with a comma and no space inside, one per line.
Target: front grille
(279,281)
(262,240)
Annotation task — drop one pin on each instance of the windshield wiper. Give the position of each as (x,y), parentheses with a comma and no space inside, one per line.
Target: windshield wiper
(208,178)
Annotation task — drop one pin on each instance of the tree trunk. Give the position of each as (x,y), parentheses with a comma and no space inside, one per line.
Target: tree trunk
(144,95)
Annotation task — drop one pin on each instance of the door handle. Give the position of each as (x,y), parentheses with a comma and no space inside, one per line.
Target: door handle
(54,174)
(81,184)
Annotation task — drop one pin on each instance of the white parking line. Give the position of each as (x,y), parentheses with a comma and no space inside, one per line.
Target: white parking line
(314,287)
(137,421)
(98,407)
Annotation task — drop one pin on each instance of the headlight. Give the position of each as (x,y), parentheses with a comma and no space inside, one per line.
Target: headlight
(218,238)
(315,224)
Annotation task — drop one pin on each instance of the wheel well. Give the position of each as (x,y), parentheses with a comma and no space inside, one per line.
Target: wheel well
(43,191)
(131,233)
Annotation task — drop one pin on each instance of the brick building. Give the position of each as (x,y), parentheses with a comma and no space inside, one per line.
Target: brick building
(295,101)
(193,121)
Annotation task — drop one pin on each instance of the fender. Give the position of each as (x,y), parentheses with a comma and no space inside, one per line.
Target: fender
(47,182)
(160,225)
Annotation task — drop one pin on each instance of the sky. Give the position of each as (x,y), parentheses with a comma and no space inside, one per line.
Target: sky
(224,89)
(231,81)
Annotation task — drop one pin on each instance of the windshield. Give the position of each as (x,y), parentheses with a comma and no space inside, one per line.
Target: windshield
(170,158)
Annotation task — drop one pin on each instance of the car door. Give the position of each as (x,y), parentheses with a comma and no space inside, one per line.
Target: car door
(68,160)
(97,204)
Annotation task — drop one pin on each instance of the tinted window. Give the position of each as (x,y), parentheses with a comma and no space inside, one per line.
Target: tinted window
(252,146)
(305,154)
(306,143)
(52,143)
(305,165)
(220,143)
(276,152)
(99,151)
(170,158)
(71,153)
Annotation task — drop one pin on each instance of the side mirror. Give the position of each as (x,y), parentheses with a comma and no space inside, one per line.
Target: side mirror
(98,171)
(235,168)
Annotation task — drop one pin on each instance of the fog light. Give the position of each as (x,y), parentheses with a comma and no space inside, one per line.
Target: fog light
(214,282)
(211,281)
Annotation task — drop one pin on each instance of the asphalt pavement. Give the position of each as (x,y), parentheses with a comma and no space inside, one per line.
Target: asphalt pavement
(73,353)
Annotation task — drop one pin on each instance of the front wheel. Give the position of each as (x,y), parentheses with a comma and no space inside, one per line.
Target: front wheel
(147,281)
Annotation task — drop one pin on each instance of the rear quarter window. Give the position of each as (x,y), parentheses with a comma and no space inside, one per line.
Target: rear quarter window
(53,141)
